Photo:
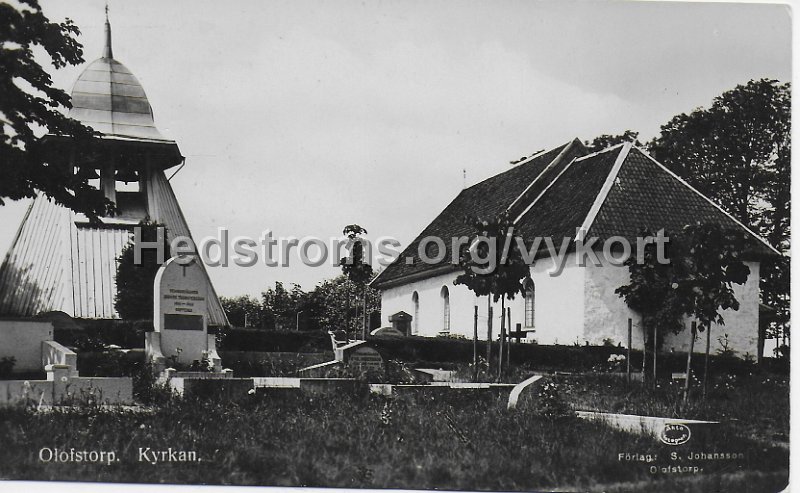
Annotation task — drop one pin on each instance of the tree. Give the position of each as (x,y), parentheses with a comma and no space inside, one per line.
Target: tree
(737,152)
(328,308)
(134,298)
(357,268)
(242,311)
(704,263)
(651,293)
(30,105)
(605,141)
(279,307)
(496,248)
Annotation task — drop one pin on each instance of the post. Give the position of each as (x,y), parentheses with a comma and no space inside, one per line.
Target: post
(689,363)
(475,348)
(705,365)
(508,342)
(630,340)
(502,337)
(655,355)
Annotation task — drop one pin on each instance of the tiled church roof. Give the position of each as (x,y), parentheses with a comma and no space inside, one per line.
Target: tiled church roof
(485,199)
(614,192)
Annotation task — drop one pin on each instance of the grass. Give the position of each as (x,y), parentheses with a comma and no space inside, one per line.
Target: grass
(359,440)
(756,404)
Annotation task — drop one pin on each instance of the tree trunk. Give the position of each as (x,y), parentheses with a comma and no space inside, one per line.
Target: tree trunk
(644,353)
(502,337)
(489,337)
(475,348)
(628,359)
(689,363)
(705,365)
(366,318)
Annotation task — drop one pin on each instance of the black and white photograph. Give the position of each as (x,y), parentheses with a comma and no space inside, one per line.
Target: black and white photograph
(480,245)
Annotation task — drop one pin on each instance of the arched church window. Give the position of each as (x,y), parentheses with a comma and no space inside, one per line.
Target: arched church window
(445,309)
(415,322)
(530,299)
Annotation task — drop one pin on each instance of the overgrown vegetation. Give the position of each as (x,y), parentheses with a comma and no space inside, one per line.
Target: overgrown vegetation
(357,440)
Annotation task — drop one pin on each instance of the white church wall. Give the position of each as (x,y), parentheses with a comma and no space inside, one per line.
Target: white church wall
(606,314)
(429,321)
(740,331)
(558,306)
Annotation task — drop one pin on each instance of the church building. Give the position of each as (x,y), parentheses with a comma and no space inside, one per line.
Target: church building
(59,260)
(611,193)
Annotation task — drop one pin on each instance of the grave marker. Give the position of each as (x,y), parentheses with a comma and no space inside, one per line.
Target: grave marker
(180,316)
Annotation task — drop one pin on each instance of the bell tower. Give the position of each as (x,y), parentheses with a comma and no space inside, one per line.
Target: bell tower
(59,260)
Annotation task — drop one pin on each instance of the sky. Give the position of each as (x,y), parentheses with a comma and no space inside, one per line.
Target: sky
(304,116)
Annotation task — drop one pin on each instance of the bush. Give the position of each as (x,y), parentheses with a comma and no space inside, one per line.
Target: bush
(238,339)
(7,366)
(96,335)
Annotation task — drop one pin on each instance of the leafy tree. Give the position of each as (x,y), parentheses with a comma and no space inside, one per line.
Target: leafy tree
(328,308)
(30,106)
(704,263)
(134,298)
(651,293)
(279,306)
(737,152)
(357,269)
(242,311)
(605,141)
(505,280)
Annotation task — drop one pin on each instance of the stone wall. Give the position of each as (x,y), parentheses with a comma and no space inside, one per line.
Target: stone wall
(22,340)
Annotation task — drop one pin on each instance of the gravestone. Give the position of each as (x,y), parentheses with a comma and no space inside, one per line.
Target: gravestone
(180,316)
(365,359)
(401,321)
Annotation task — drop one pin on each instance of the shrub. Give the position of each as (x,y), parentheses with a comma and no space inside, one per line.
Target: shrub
(7,366)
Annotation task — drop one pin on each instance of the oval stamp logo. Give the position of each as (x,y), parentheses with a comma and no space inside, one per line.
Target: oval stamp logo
(675,434)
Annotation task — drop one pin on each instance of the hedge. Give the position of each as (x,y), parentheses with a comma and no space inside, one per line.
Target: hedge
(93,335)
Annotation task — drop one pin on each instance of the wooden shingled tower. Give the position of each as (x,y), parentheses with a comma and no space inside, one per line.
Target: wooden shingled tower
(58,260)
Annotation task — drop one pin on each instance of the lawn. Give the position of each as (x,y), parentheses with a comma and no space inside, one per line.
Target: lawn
(359,440)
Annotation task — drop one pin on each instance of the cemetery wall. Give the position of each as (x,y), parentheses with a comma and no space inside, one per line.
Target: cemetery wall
(22,340)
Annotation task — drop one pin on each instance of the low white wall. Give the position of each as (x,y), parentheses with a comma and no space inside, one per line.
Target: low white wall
(22,340)
(54,353)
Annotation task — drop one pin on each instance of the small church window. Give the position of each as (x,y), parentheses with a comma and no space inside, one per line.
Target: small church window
(445,309)
(530,298)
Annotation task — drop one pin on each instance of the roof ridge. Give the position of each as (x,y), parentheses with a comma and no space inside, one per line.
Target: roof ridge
(565,148)
(607,185)
(549,185)
(687,185)
(517,165)
(601,151)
